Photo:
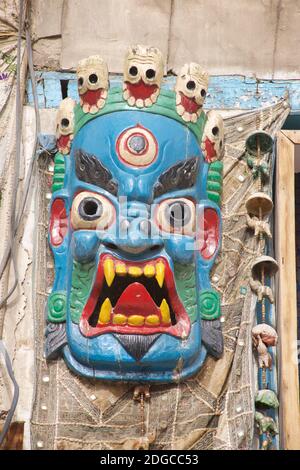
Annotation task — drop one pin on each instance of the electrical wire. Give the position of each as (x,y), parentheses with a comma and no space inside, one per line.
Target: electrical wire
(16,219)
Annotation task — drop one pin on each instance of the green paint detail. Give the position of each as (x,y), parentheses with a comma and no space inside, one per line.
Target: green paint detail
(82,277)
(215,182)
(165,106)
(209,304)
(215,197)
(59,172)
(243,290)
(57,307)
(215,176)
(185,280)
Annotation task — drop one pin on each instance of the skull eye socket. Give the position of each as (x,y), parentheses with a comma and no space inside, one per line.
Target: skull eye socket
(176,216)
(64,122)
(191,85)
(133,71)
(150,73)
(215,131)
(203,93)
(80,82)
(92,211)
(93,78)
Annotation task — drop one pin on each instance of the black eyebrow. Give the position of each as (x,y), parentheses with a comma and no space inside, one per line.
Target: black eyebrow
(89,169)
(183,175)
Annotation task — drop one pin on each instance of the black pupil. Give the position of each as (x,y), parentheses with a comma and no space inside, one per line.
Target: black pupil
(150,73)
(133,71)
(191,85)
(179,214)
(80,81)
(215,130)
(90,208)
(65,122)
(203,92)
(93,78)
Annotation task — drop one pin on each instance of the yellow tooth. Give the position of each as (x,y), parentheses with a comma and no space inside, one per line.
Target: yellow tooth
(135,271)
(149,270)
(160,273)
(104,315)
(119,319)
(136,320)
(165,312)
(109,271)
(152,320)
(121,269)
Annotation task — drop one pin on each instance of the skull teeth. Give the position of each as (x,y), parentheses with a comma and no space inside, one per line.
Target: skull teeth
(139,102)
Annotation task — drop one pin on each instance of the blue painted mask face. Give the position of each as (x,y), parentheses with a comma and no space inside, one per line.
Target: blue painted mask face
(135,229)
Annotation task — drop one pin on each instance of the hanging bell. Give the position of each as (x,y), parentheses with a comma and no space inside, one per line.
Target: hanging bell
(260,139)
(266,263)
(259,203)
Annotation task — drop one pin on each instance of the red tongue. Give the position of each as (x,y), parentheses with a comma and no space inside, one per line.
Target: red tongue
(136,300)
(141,90)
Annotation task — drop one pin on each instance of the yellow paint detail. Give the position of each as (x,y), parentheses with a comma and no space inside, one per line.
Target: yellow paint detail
(136,320)
(135,271)
(149,270)
(119,319)
(109,271)
(121,269)
(152,320)
(160,273)
(104,314)
(165,312)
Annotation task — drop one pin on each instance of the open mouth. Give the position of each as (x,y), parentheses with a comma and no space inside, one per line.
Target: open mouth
(93,100)
(134,298)
(140,94)
(187,107)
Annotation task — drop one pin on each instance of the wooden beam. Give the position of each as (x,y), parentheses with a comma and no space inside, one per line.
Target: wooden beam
(289,410)
(294,136)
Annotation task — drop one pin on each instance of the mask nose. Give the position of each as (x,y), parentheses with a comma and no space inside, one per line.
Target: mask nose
(137,234)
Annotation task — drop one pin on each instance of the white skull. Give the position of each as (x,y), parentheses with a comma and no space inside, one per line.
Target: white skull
(65,125)
(191,89)
(92,75)
(143,66)
(213,137)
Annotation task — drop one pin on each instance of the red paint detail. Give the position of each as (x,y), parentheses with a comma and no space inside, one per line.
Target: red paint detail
(92,96)
(136,300)
(210,150)
(181,328)
(189,104)
(209,235)
(125,145)
(58,222)
(141,90)
(63,142)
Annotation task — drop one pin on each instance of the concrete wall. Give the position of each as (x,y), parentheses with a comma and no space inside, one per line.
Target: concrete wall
(257,37)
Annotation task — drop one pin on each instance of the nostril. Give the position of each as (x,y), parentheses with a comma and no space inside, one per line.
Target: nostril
(155,247)
(112,246)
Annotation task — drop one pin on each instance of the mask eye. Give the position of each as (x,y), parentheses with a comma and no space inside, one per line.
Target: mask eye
(176,216)
(92,211)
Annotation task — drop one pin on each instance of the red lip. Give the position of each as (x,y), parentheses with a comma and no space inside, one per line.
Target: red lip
(141,90)
(92,96)
(189,104)
(138,302)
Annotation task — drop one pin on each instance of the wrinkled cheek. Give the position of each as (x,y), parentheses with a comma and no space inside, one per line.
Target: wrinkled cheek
(181,249)
(58,222)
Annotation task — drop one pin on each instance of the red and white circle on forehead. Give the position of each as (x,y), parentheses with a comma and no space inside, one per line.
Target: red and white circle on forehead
(137,146)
